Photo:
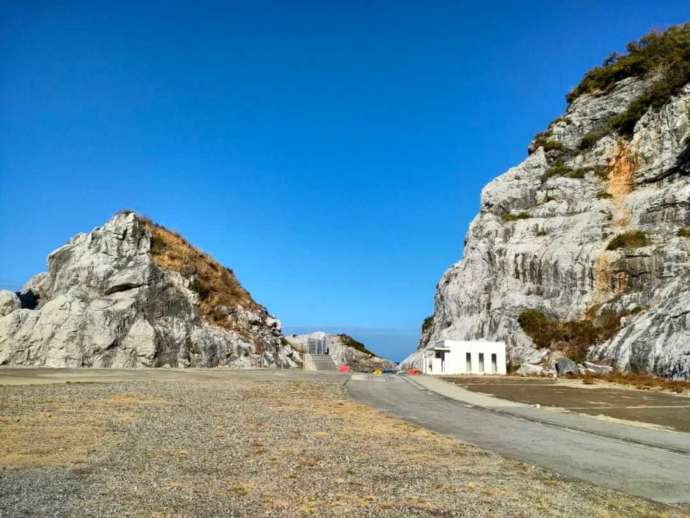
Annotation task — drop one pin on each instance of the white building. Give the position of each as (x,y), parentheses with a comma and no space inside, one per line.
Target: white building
(464,357)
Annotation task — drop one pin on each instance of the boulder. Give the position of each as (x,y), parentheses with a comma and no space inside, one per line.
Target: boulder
(528,369)
(564,366)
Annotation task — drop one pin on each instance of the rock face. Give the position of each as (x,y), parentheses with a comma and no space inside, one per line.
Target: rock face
(544,237)
(132,294)
(343,349)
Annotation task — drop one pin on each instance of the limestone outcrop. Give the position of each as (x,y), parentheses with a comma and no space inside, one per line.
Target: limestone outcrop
(133,294)
(585,246)
(343,349)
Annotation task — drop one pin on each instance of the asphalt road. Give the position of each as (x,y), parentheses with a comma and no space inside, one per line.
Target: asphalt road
(650,472)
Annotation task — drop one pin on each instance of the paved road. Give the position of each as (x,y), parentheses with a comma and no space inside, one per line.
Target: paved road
(651,472)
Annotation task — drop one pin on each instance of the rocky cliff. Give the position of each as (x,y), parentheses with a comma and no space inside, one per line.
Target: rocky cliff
(133,294)
(584,247)
(343,349)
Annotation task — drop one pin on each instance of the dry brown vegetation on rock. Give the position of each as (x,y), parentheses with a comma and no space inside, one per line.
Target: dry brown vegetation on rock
(573,338)
(215,284)
(640,381)
(632,239)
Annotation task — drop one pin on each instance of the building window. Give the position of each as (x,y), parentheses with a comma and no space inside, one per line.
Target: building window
(494,363)
(481,362)
(468,362)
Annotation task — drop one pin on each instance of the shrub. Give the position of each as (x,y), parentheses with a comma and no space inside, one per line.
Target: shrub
(199,288)
(427,323)
(665,54)
(655,51)
(592,137)
(558,169)
(572,337)
(684,232)
(552,145)
(542,140)
(632,239)
(158,244)
(509,216)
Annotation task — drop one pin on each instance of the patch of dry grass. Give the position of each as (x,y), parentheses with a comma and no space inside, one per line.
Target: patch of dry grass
(43,432)
(639,381)
(249,447)
(215,285)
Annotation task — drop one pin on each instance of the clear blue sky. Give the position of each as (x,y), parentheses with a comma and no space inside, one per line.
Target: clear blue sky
(331,153)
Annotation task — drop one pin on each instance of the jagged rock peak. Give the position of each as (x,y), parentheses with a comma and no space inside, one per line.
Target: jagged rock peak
(584,247)
(133,294)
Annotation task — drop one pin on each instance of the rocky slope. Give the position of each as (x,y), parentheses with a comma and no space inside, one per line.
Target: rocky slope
(133,294)
(343,349)
(584,247)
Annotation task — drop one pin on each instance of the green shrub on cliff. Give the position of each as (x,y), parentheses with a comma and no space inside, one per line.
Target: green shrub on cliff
(509,216)
(572,337)
(662,56)
(667,51)
(632,239)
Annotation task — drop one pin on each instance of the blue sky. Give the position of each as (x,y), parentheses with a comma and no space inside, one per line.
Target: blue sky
(331,153)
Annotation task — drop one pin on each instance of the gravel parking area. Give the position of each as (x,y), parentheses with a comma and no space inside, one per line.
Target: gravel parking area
(239,444)
(657,408)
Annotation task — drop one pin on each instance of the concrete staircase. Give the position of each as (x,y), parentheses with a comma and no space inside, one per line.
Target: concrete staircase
(318,362)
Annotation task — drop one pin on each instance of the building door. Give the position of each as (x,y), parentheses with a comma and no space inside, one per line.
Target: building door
(494,363)
(481,362)
(441,355)
(468,362)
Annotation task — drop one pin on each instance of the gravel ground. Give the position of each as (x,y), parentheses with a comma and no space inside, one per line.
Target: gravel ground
(244,446)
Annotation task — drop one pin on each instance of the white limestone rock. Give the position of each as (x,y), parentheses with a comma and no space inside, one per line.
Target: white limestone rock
(8,302)
(540,241)
(527,369)
(105,302)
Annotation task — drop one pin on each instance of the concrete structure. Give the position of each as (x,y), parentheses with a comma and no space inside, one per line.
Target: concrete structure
(464,357)
(318,362)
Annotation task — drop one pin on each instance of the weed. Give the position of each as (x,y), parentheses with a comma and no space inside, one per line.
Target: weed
(631,239)
(572,337)
(558,169)
(509,216)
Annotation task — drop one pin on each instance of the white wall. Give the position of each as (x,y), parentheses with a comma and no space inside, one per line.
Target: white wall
(456,358)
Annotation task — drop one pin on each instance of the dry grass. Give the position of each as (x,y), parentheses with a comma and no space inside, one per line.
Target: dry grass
(290,448)
(639,381)
(215,284)
(55,431)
